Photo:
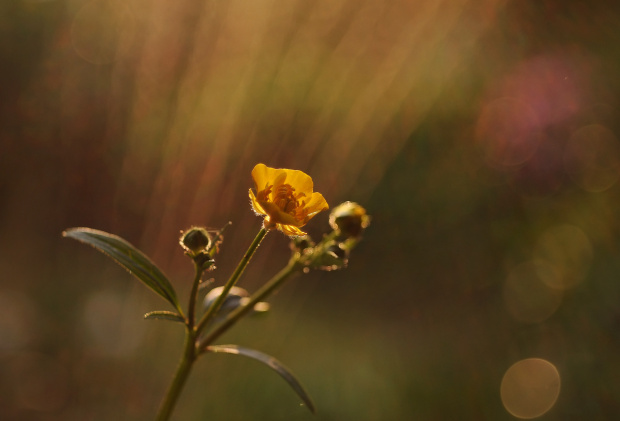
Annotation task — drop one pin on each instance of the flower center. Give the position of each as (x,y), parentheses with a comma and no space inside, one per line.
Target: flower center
(286,200)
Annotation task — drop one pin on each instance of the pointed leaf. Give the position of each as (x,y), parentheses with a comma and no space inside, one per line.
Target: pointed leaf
(129,257)
(272,363)
(165,315)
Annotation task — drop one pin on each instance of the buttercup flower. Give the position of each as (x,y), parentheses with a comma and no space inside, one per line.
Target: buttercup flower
(286,198)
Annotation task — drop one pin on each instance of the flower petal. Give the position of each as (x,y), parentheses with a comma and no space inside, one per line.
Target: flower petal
(271,198)
(276,215)
(300,181)
(262,174)
(256,205)
(290,230)
(280,178)
(316,204)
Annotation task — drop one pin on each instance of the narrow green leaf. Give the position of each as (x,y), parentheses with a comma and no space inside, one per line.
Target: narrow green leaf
(165,315)
(274,364)
(129,257)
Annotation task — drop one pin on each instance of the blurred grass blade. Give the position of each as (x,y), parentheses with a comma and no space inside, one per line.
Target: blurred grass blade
(165,315)
(128,257)
(272,363)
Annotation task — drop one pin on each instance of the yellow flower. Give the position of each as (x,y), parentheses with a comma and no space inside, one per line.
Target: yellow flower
(286,198)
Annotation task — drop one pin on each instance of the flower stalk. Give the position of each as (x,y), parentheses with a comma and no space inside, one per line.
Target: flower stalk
(214,308)
(193,331)
(191,308)
(189,353)
(270,286)
(180,377)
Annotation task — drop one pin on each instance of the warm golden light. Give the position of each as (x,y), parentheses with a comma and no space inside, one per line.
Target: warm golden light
(102,30)
(530,388)
(482,136)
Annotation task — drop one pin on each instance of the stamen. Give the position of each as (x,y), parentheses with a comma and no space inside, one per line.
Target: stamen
(285,199)
(264,194)
(290,207)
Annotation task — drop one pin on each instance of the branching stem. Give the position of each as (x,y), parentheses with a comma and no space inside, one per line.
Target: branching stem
(214,308)
(192,330)
(293,267)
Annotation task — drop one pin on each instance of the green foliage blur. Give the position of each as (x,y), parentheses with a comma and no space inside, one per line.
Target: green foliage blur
(482,137)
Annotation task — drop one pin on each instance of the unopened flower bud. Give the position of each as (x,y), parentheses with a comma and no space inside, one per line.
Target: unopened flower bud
(195,240)
(349,218)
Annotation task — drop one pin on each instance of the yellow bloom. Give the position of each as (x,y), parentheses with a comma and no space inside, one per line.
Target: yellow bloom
(286,198)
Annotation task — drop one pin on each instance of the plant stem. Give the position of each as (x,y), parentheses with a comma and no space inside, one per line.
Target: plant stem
(213,309)
(189,353)
(183,369)
(293,267)
(191,310)
(192,331)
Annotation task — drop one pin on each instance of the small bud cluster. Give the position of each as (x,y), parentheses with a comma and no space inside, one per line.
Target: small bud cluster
(348,221)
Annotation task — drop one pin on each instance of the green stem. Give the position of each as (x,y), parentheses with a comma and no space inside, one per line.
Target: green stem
(189,353)
(180,377)
(191,310)
(213,309)
(266,290)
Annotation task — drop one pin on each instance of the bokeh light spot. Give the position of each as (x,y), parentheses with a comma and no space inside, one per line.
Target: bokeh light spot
(526,295)
(568,249)
(530,388)
(592,158)
(101,30)
(508,131)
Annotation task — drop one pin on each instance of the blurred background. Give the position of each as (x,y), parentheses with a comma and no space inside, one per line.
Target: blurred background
(482,137)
